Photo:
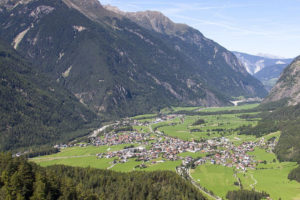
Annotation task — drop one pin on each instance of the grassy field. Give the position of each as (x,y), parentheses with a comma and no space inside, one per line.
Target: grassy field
(84,151)
(176,109)
(79,156)
(215,126)
(273,180)
(228,108)
(215,178)
(82,161)
(261,155)
(271,177)
(126,167)
(144,116)
(167,165)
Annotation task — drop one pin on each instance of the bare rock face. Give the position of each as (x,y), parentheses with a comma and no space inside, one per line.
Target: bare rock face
(288,85)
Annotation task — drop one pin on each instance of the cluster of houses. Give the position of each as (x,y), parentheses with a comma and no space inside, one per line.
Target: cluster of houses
(128,138)
(219,151)
(231,156)
(149,147)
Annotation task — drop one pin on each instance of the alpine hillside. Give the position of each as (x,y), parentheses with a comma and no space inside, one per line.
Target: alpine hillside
(288,85)
(33,110)
(119,67)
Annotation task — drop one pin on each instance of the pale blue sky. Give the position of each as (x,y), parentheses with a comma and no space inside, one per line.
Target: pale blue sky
(251,26)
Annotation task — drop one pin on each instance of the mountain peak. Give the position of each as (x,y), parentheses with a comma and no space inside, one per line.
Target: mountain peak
(85,3)
(114,9)
(152,20)
(90,8)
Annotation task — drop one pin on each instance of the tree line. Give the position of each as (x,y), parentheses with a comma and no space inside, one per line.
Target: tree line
(23,180)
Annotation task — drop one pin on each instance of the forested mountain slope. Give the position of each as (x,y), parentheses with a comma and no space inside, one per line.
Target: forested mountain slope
(34,111)
(117,67)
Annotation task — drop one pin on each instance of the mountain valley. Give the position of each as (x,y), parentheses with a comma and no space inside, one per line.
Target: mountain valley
(112,64)
(100,103)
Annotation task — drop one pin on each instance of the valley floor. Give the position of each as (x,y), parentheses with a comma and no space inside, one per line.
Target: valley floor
(207,145)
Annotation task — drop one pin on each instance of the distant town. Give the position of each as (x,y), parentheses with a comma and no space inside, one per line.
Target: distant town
(155,145)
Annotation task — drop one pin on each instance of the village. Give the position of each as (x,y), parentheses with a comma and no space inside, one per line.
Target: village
(157,147)
(219,151)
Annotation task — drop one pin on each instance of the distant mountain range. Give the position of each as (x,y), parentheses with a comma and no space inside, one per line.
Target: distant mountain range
(264,67)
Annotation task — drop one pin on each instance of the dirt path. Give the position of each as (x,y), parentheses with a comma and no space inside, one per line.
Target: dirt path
(255,181)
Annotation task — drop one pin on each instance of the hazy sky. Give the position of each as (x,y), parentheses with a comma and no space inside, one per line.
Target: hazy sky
(251,26)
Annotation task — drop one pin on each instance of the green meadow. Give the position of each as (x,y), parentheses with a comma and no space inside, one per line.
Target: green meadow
(83,161)
(167,165)
(272,179)
(229,108)
(215,178)
(215,126)
(126,167)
